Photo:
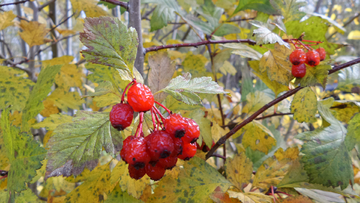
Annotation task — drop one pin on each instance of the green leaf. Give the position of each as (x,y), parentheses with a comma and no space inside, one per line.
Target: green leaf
(227,29)
(258,5)
(211,13)
(303,106)
(264,34)
(353,136)
(220,58)
(95,186)
(296,175)
(118,196)
(337,26)
(198,24)
(276,87)
(41,89)
(255,101)
(243,50)
(315,29)
(175,105)
(163,14)
(14,88)
(107,4)
(109,42)
(184,89)
(289,9)
(196,181)
(79,143)
(326,159)
(349,77)
(24,153)
(314,75)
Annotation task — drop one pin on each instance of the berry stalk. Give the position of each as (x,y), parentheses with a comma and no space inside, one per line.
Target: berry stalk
(158,112)
(139,128)
(153,118)
(123,94)
(163,107)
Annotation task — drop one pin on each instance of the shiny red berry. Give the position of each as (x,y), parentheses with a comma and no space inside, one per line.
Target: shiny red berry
(136,173)
(178,146)
(176,125)
(160,145)
(193,131)
(322,53)
(136,153)
(125,147)
(140,97)
(312,58)
(154,171)
(121,116)
(168,162)
(189,151)
(298,71)
(297,57)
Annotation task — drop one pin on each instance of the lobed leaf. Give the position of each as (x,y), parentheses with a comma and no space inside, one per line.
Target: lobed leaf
(258,137)
(33,32)
(6,19)
(264,34)
(303,106)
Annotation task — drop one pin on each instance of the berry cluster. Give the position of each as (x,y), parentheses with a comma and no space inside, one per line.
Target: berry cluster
(298,57)
(173,137)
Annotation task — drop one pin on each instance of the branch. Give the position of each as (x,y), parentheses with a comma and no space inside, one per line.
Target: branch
(239,20)
(14,3)
(268,105)
(61,22)
(119,3)
(148,13)
(45,4)
(196,44)
(272,115)
(15,65)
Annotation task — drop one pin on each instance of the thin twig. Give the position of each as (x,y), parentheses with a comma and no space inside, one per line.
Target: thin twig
(7,48)
(171,31)
(120,3)
(268,105)
(14,3)
(53,28)
(148,13)
(239,20)
(45,4)
(196,44)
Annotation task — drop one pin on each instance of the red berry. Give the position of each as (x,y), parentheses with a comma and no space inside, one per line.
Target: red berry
(176,125)
(136,173)
(312,58)
(189,151)
(140,97)
(168,163)
(159,145)
(178,146)
(136,153)
(298,71)
(204,147)
(154,171)
(121,116)
(125,147)
(297,57)
(193,131)
(322,53)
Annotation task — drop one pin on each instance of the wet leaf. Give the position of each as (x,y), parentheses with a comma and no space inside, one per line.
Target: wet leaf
(303,106)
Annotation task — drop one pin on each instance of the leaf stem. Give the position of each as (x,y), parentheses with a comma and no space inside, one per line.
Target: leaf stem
(268,105)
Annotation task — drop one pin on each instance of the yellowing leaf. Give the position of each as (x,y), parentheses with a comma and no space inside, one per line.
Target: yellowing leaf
(258,137)
(33,33)
(196,181)
(161,71)
(354,35)
(53,121)
(251,197)
(277,65)
(272,171)
(65,100)
(195,64)
(227,67)
(65,32)
(95,187)
(6,19)
(255,101)
(49,108)
(344,110)
(303,106)
(69,75)
(239,170)
(90,7)
(117,196)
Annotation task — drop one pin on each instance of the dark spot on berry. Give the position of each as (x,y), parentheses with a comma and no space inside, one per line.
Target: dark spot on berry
(164,154)
(134,159)
(180,133)
(187,159)
(194,140)
(153,163)
(139,165)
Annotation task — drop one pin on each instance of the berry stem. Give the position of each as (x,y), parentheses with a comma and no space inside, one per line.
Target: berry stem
(153,118)
(157,119)
(296,47)
(317,42)
(305,46)
(283,193)
(139,128)
(158,112)
(123,94)
(163,107)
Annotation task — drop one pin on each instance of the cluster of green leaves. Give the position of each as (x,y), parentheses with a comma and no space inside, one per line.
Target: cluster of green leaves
(84,148)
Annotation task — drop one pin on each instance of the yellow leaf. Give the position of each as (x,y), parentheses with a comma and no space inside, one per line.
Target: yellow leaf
(106,100)
(298,199)
(69,76)
(303,105)
(16,118)
(47,137)
(355,35)
(277,65)
(255,101)
(65,100)
(53,121)
(239,170)
(251,197)
(217,131)
(90,8)
(221,197)
(344,110)
(65,32)
(96,186)
(173,41)
(195,64)
(49,108)
(6,19)
(290,153)
(33,33)
(258,137)
(272,171)
(227,67)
